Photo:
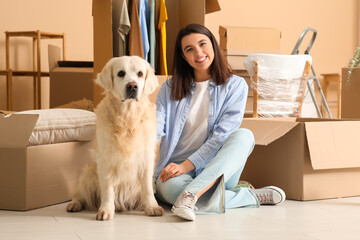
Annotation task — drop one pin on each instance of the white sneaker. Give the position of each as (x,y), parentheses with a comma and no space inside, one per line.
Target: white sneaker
(184,206)
(270,195)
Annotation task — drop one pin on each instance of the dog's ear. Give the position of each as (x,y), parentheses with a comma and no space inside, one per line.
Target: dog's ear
(105,78)
(151,81)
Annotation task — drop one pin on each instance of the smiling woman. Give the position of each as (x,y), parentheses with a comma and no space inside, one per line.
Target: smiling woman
(203,153)
(199,55)
(195,51)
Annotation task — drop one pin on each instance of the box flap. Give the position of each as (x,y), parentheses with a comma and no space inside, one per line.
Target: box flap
(212,6)
(334,144)
(268,130)
(15,129)
(54,55)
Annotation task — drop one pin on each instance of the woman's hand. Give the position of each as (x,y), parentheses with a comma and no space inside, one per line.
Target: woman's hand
(174,170)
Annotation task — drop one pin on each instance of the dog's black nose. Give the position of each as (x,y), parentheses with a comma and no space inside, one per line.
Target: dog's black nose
(131,90)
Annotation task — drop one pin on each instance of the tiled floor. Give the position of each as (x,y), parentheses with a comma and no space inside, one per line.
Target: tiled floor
(326,219)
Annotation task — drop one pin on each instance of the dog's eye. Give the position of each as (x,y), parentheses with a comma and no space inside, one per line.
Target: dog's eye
(121,74)
(140,74)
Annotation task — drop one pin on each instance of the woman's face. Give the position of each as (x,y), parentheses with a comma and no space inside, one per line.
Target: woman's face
(198,51)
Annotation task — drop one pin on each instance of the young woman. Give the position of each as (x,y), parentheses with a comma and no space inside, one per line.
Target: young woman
(203,151)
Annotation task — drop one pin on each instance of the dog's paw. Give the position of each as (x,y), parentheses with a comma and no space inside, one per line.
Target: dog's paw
(74,206)
(154,211)
(104,215)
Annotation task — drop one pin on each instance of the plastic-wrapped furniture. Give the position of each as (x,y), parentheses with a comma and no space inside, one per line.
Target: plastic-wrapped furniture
(279,83)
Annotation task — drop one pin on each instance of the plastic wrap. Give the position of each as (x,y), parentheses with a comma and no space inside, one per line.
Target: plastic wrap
(279,85)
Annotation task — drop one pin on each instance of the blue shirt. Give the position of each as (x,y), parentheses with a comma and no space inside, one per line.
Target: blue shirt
(144,10)
(226,111)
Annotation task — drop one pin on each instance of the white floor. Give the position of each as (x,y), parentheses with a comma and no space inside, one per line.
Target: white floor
(326,219)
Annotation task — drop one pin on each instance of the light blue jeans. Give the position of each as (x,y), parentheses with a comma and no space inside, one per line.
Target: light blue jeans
(227,164)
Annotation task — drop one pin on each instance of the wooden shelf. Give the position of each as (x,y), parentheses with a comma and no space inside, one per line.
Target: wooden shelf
(37,74)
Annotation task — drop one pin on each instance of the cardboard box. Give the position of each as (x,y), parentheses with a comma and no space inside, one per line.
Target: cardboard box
(70,83)
(249,38)
(180,13)
(309,158)
(36,176)
(350,93)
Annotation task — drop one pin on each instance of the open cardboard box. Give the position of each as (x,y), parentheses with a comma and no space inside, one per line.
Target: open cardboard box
(308,158)
(36,176)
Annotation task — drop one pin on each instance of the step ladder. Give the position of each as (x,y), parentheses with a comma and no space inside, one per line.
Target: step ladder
(313,77)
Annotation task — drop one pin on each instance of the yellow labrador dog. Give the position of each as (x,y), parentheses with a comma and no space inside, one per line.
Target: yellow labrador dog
(121,177)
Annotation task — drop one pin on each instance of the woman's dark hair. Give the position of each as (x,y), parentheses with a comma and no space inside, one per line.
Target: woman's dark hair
(183,73)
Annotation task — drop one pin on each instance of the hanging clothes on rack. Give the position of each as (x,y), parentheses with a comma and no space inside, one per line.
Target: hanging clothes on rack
(121,26)
(162,27)
(144,15)
(135,39)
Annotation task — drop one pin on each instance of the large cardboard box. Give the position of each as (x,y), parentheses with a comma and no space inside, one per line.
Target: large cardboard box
(180,13)
(36,176)
(350,93)
(308,158)
(249,38)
